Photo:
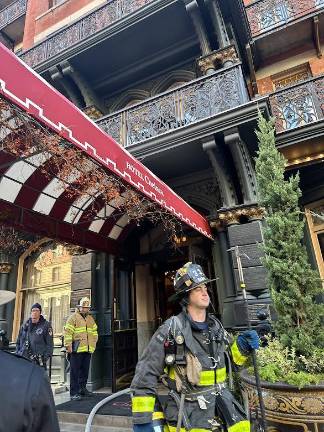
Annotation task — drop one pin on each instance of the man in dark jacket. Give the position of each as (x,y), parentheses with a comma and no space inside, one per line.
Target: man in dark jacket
(26,398)
(35,339)
(195,354)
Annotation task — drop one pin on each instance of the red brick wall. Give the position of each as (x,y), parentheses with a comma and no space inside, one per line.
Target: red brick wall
(265,85)
(54,15)
(34,9)
(317,66)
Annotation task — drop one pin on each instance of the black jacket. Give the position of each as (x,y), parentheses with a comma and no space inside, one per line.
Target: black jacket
(35,339)
(26,398)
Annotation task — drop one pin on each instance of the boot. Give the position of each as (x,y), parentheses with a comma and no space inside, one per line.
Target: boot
(85,392)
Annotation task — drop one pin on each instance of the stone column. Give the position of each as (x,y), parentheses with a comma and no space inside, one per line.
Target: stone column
(242,227)
(218,22)
(5,269)
(193,10)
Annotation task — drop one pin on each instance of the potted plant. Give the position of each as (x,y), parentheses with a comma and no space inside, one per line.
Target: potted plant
(292,364)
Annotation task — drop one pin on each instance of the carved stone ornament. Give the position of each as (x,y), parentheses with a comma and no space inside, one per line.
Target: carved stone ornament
(234,215)
(5,267)
(93,112)
(216,58)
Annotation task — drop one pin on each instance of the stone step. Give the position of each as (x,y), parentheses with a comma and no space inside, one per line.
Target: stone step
(75,422)
(73,427)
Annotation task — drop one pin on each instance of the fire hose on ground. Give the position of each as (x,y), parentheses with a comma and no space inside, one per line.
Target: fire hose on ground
(101,404)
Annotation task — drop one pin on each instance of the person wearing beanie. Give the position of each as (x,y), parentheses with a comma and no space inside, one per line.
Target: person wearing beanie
(35,339)
(27,402)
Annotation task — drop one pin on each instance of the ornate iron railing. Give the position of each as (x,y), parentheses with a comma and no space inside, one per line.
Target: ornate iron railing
(263,15)
(187,104)
(82,29)
(13,11)
(298,105)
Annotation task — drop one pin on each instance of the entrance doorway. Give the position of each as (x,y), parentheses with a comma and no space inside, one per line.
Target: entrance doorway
(124,330)
(190,249)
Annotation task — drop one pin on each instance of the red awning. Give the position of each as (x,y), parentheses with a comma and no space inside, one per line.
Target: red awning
(39,203)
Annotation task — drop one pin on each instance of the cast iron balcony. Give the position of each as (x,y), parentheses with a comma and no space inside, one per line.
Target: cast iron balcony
(298,105)
(264,15)
(12,12)
(177,108)
(82,29)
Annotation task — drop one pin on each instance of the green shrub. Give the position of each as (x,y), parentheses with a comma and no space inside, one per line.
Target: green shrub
(281,364)
(297,353)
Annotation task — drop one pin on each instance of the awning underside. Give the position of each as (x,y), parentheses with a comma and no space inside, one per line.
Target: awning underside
(35,196)
(88,198)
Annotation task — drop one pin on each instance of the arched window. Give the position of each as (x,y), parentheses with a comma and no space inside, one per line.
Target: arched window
(47,280)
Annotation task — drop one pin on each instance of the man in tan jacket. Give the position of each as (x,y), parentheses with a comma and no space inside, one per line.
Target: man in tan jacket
(80,339)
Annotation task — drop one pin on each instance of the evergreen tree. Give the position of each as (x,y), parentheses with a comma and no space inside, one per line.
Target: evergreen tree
(293,284)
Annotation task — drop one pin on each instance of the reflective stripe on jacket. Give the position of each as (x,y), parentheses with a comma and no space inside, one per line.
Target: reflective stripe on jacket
(199,415)
(81,332)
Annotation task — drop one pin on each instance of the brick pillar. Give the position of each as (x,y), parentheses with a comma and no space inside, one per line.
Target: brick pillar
(34,9)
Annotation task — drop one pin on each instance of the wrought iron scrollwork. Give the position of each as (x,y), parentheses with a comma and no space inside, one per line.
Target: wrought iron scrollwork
(299,105)
(266,14)
(82,29)
(198,100)
(12,12)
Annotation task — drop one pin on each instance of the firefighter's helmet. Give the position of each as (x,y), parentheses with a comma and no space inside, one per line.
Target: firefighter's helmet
(84,302)
(187,278)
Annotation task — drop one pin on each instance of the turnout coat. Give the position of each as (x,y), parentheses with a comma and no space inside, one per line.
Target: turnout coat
(26,398)
(208,404)
(82,332)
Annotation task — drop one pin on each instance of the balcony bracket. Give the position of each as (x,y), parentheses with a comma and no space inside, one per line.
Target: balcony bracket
(92,102)
(65,86)
(243,164)
(227,191)
(316,35)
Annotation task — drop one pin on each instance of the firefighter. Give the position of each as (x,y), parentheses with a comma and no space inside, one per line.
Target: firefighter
(35,339)
(80,339)
(193,355)
(27,403)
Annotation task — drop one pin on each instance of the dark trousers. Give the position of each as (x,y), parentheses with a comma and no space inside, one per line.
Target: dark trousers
(79,370)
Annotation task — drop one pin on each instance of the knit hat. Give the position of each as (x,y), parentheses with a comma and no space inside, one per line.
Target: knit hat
(36,306)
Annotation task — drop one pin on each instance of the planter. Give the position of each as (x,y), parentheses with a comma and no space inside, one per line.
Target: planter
(288,409)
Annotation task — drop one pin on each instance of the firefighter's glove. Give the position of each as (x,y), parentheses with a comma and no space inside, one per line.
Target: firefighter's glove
(248,341)
(145,427)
